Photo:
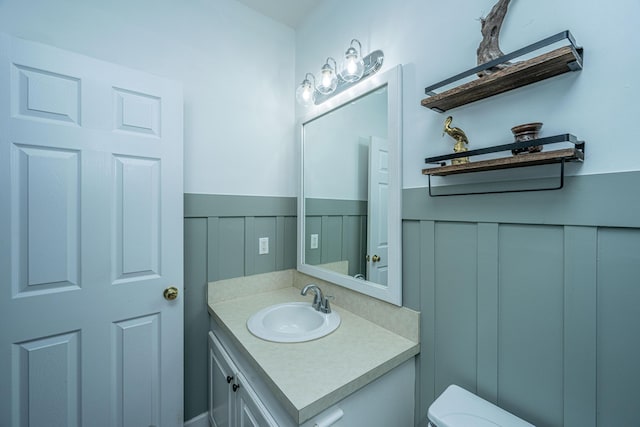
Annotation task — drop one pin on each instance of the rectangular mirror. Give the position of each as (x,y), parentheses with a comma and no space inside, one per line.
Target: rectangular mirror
(349,205)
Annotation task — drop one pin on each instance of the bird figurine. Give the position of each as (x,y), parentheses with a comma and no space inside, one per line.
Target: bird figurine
(461,139)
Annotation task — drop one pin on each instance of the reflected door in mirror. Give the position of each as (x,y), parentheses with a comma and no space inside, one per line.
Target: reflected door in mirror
(377,241)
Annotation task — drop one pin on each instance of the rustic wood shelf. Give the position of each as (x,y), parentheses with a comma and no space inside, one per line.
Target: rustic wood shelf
(561,156)
(520,160)
(518,74)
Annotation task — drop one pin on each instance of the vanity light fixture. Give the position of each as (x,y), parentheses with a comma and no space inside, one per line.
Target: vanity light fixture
(332,80)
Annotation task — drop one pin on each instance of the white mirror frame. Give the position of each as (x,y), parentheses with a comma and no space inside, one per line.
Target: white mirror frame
(391,293)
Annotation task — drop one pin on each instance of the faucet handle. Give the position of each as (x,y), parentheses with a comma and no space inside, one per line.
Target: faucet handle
(326,306)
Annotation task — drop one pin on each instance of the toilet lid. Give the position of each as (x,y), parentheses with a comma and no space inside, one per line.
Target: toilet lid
(461,419)
(456,407)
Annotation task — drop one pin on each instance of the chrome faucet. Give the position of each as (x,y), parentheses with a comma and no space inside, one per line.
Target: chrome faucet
(320,302)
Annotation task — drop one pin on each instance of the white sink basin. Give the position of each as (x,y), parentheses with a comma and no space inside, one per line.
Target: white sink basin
(292,322)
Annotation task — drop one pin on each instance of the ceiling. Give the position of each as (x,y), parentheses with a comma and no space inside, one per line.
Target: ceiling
(289,12)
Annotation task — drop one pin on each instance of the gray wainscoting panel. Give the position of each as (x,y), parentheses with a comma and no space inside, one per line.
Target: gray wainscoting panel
(455,305)
(427,283)
(530,300)
(618,375)
(195,309)
(221,242)
(341,226)
(226,244)
(530,328)
(354,242)
(331,238)
(487,371)
(580,269)
(411,260)
(287,229)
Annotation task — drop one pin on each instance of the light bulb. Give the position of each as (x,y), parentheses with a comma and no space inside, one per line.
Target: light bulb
(328,78)
(305,94)
(352,67)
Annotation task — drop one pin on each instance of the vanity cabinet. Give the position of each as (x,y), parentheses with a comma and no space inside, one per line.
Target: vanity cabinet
(239,394)
(232,400)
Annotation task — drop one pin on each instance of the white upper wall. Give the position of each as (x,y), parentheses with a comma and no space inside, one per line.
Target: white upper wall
(239,70)
(434,40)
(236,67)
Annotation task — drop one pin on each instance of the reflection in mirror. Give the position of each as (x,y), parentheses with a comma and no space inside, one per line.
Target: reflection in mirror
(349,219)
(337,173)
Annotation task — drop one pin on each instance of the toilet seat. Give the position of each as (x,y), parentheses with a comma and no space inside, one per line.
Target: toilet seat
(456,407)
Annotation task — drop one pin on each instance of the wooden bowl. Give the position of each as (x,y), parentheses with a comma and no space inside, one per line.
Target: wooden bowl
(527,132)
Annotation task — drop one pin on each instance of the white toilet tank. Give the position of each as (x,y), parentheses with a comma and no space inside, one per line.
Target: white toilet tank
(456,407)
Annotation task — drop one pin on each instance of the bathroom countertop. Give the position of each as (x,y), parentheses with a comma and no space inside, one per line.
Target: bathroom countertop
(309,377)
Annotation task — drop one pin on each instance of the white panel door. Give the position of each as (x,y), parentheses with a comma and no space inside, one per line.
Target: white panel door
(377,220)
(90,236)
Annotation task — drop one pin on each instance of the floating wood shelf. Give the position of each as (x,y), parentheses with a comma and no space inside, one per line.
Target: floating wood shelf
(561,156)
(518,74)
(520,160)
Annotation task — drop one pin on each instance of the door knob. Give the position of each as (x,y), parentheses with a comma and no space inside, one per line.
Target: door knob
(375,258)
(170,293)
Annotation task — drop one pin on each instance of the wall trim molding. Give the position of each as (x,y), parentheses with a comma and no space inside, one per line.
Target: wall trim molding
(223,205)
(335,207)
(586,200)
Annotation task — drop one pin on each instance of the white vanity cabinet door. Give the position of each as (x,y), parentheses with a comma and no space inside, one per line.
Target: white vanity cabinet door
(232,400)
(222,376)
(250,411)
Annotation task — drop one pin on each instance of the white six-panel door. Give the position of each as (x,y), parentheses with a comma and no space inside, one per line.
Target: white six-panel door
(90,236)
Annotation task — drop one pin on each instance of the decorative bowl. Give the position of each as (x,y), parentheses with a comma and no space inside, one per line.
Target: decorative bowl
(527,132)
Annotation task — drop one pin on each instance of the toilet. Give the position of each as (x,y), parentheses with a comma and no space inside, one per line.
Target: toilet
(456,407)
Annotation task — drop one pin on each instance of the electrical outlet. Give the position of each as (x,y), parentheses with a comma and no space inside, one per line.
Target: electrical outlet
(263,245)
(314,241)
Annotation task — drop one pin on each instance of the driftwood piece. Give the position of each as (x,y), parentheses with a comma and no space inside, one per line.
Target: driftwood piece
(489,48)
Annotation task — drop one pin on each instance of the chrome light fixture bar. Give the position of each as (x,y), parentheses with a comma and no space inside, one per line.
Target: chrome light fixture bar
(332,80)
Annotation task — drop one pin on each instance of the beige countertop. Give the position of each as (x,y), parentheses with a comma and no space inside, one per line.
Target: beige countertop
(309,377)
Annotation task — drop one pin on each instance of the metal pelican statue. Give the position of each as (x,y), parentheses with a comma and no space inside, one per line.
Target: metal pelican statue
(461,140)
